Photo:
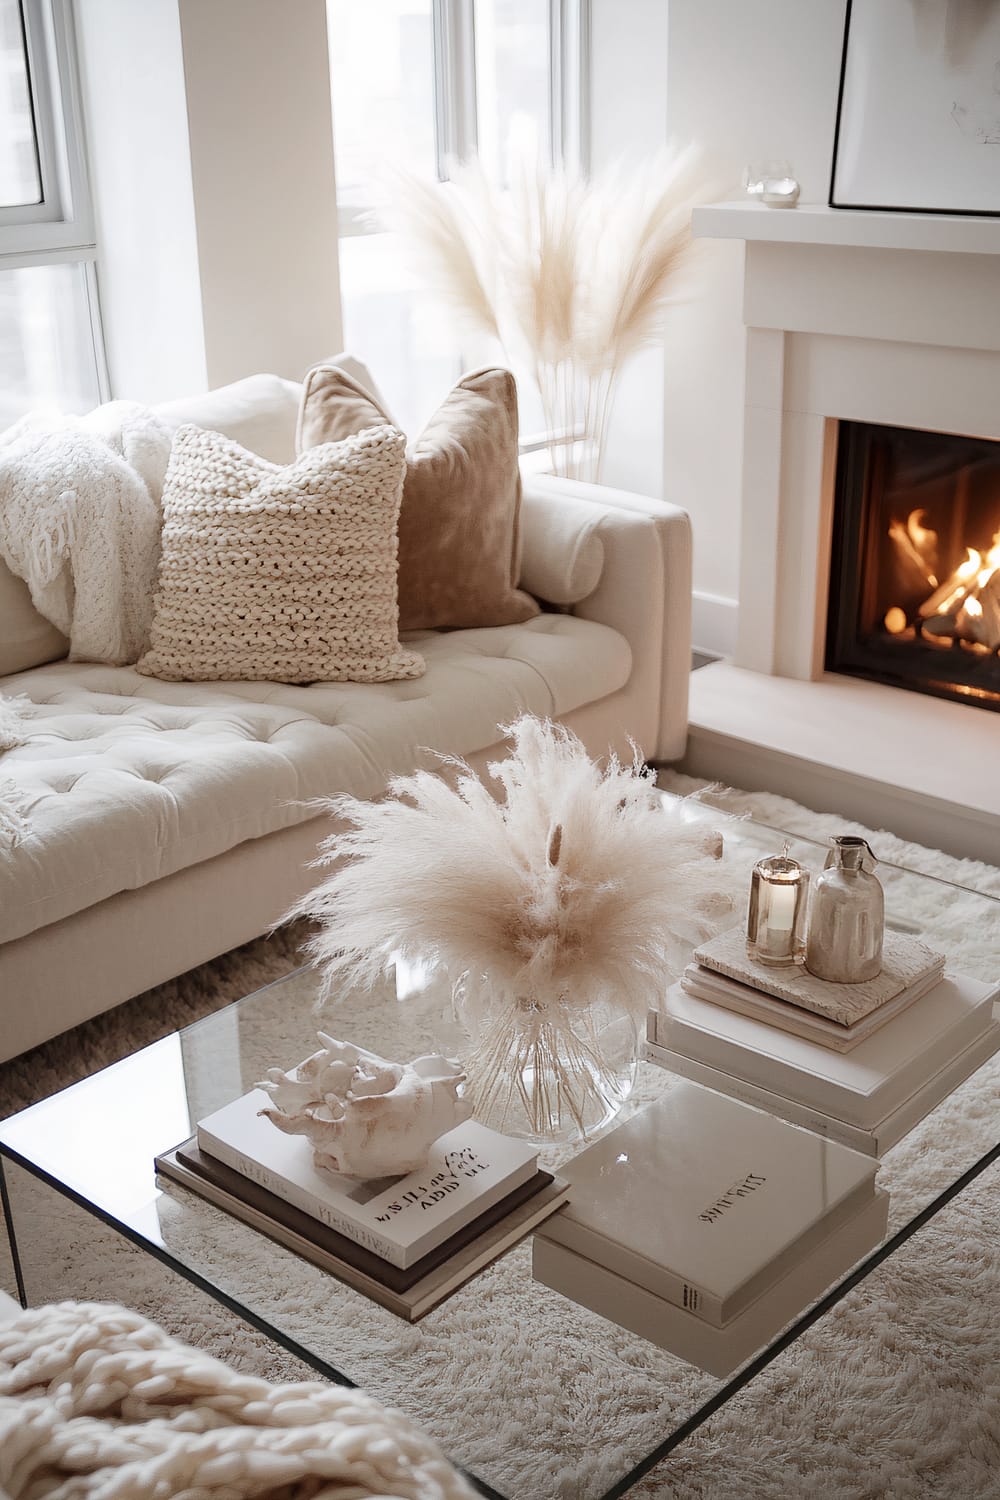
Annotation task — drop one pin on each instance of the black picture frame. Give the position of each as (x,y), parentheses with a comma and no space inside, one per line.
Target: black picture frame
(873,202)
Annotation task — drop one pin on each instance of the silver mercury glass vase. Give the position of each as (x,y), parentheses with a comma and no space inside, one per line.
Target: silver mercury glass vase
(847,915)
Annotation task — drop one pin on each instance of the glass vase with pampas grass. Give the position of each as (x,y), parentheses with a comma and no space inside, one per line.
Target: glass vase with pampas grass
(558,909)
(569,273)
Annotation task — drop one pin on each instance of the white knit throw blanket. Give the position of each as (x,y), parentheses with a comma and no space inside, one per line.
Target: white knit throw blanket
(80,523)
(11,721)
(96,1403)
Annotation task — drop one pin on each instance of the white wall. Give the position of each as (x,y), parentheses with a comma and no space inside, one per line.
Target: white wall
(132,78)
(748,80)
(210,142)
(628,119)
(258,98)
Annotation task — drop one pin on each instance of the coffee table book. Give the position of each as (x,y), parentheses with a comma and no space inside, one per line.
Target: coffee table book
(719,1351)
(401,1219)
(874,1142)
(708,984)
(410,1293)
(705,1202)
(862,1087)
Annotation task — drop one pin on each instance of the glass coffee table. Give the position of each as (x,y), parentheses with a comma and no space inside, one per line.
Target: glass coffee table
(532,1395)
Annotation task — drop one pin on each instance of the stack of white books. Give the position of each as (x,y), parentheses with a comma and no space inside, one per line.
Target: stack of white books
(863,1076)
(838,1015)
(406,1241)
(706,1226)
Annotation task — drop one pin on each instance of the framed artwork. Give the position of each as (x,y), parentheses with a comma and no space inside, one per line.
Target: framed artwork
(918,115)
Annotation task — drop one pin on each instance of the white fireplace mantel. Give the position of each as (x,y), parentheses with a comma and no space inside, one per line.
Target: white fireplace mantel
(890,318)
(858,316)
(816,224)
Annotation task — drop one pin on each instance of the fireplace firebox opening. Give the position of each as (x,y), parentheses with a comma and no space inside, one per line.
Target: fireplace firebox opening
(915,562)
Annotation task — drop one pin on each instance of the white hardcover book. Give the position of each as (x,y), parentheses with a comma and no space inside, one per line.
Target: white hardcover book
(706,1202)
(719,1351)
(708,984)
(468,1170)
(875,1142)
(860,1087)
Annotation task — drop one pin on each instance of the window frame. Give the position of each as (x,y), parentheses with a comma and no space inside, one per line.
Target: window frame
(456,125)
(60,229)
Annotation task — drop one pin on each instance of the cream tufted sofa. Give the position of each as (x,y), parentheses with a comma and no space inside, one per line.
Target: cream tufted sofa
(169,822)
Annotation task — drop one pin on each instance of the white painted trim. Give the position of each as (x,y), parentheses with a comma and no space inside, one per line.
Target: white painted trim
(64,219)
(714,621)
(816,224)
(845,746)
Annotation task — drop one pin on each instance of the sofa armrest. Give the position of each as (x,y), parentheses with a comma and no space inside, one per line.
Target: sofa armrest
(643,592)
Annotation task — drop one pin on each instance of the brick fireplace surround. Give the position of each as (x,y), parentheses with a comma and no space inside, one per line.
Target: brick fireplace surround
(875,317)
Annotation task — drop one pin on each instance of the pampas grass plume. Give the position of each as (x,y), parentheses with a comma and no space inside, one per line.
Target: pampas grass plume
(573,887)
(570,273)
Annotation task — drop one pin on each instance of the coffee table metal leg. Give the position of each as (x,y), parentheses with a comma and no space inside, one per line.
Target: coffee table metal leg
(8,1219)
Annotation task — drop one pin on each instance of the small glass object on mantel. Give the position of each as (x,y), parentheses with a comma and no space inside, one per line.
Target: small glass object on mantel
(772,183)
(776,917)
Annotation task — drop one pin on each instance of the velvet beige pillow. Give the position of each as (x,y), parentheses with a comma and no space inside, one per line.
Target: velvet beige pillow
(459,520)
(280,572)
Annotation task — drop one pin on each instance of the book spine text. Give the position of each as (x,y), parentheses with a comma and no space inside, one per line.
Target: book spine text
(668,1285)
(299,1197)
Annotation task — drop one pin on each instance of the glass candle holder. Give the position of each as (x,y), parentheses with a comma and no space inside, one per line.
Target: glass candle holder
(776,916)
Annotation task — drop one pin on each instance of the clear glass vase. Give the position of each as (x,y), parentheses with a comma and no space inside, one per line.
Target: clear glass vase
(553,1074)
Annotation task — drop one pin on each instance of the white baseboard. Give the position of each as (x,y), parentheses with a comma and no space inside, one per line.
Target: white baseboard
(713,623)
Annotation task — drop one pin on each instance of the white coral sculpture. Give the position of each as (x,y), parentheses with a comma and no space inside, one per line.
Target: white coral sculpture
(571,274)
(362,1115)
(575,888)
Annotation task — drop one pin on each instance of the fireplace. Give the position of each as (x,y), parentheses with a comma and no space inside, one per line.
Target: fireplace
(915,562)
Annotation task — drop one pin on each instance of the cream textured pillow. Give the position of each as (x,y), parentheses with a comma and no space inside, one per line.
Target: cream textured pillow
(280,573)
(459,541)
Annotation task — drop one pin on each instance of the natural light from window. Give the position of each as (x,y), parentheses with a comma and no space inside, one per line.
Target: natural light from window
(420,84)
(20,182)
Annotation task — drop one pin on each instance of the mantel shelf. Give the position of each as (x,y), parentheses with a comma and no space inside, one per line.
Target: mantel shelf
(816,224)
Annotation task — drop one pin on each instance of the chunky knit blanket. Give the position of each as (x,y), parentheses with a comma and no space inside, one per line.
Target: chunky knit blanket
(96,1403)
(80,522)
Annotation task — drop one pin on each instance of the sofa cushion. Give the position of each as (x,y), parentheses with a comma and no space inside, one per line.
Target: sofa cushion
(280,572)
(259,413)
(127,779)
(459,538)
(27,639)
(563,552)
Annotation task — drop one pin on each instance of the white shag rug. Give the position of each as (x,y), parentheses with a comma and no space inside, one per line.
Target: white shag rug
(894,1394)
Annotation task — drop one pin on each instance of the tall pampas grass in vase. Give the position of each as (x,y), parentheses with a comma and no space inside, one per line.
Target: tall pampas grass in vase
(570,273)
(558,910)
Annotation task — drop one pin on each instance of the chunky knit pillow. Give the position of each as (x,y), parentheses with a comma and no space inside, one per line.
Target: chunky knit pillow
(459,544)
(280,573)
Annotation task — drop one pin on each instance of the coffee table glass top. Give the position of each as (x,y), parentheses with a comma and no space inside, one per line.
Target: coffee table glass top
(531,1394)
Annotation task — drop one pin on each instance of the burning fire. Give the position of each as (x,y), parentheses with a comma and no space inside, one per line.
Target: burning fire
(965,607)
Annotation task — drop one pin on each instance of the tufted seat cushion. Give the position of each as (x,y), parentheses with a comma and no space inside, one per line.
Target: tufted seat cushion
(129,779)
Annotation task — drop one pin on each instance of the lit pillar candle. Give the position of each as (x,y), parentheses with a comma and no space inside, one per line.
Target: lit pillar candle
(776,915)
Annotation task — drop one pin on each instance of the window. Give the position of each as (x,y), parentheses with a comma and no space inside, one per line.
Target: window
(422,83)
(51,350)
